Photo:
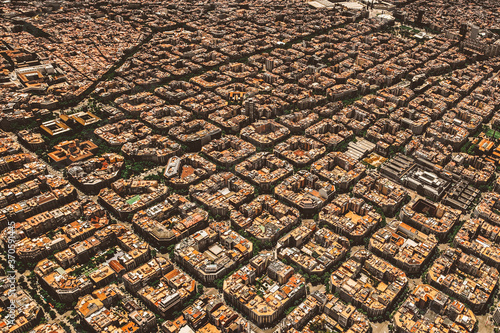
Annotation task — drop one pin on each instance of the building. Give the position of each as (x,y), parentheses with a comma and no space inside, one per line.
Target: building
(430,217)
(281,288)
(475,288)
(213,252)
(449,313)
(306,192)
(350,217)
(265,218)
(68,152)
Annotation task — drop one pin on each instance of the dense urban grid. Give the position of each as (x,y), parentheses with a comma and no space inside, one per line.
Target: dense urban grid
(248,166)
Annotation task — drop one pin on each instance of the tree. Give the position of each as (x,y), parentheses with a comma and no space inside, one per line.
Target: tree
(381,213)
(52,314)
(219,283)
(60,307)
(315,280)
(170,250)
(317,325)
